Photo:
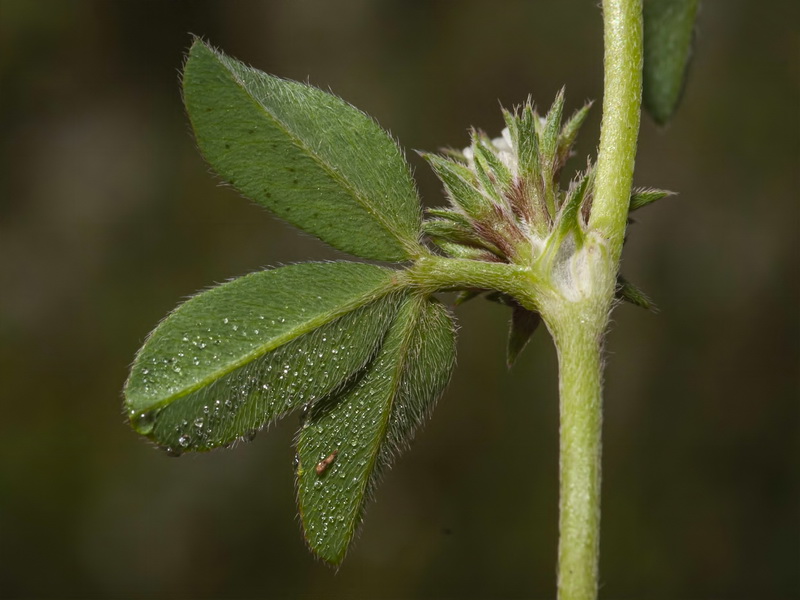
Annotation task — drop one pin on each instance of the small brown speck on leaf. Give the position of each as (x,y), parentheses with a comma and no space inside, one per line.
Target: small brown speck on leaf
(323,465)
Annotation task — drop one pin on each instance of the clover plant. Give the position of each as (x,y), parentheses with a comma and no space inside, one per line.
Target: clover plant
(363,351)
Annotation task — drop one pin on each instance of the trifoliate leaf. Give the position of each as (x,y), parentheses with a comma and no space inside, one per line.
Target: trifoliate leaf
(630,293)
(350,439)
(523,324)
(644,196)
(306,155)
(240,355)
(668,35)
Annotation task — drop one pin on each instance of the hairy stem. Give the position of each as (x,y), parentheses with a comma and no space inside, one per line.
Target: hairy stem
(622,98)
(578,340)
(578,329)
(435,273)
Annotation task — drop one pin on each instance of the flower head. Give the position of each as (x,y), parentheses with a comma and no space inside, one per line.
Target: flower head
(505,202)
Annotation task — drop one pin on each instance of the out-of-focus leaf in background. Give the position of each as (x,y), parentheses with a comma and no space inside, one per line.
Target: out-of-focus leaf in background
(669,27)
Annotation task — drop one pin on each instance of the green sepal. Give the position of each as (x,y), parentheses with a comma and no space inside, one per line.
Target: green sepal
(461,186)
(668,36)
(528,144)
(522,126)
(630,293)
(306,155)
(444,229)
(550,131)
(511,120)
(569,215)
(548,147)
(349,440)
(483,173)
(641,197)
(450,215)
(569,132)
(486,156)
(464,251)
(454,154)
(238,356)
(523,324)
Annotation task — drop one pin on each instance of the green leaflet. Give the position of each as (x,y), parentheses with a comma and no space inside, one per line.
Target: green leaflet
(301,331)
(668,34)
(349,440)
(306,155)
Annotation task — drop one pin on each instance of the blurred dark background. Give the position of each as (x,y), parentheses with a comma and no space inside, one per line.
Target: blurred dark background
(108,217)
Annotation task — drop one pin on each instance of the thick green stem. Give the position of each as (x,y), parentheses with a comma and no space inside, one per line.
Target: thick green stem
(578,328)
(578,340)
(622,98)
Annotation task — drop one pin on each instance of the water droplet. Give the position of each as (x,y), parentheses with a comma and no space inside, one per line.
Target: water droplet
(225,320)
(144,422)
(198,423)
(184,441)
